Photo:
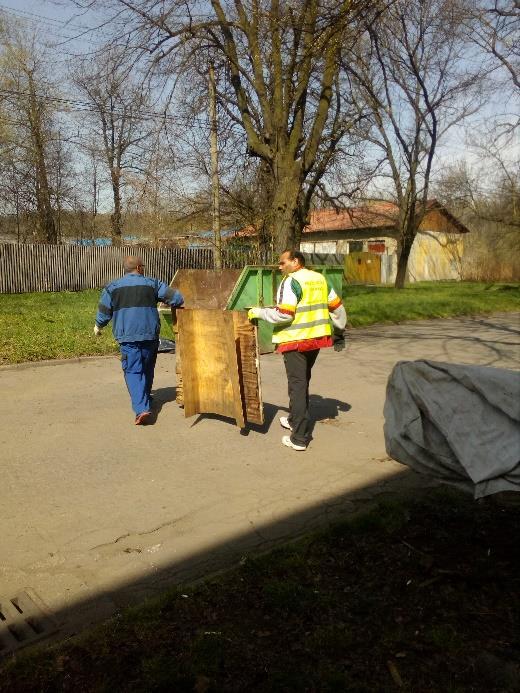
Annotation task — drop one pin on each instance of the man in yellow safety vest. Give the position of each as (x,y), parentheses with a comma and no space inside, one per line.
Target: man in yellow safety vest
(302,318)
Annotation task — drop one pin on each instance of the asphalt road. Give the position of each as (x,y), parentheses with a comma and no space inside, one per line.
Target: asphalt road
(97,512)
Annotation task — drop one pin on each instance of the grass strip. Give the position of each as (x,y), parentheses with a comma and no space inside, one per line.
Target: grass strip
(41,326)
(367,305)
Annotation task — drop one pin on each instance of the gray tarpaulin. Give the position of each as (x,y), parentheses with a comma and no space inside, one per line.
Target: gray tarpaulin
(457,423)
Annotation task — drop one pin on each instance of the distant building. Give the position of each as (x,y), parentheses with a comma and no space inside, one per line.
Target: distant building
(369,233)
(103,242)
(197,239)
(372,228)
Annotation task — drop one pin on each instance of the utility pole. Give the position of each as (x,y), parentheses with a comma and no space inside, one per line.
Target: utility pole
(215,194)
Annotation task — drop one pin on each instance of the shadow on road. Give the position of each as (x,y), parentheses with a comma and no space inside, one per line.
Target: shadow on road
(154,580)
(161,396)
(322,409)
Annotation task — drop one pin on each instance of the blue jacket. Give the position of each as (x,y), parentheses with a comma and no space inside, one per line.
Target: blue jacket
(131,304)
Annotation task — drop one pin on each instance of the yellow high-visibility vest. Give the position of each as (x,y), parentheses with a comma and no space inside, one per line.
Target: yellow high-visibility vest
(312,313)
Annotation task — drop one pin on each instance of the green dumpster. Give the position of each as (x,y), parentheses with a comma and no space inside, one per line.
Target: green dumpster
(257,286)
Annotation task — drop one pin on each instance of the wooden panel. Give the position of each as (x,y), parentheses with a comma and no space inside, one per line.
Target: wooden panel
(364,268)
(205,288)
(179,394)
(210,375)
(220,365)
(246,339)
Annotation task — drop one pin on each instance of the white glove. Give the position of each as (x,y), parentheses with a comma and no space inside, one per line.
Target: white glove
(97,331)
(253,313)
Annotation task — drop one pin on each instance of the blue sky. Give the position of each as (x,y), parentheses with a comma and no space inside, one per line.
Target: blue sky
(64,26)
(61,22)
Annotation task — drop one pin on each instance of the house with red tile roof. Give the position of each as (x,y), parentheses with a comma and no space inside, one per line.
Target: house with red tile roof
(370,230)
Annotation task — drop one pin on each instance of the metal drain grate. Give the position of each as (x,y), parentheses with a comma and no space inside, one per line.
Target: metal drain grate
(22,622)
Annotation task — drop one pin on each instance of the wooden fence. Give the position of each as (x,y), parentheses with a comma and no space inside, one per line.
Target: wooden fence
(26,268)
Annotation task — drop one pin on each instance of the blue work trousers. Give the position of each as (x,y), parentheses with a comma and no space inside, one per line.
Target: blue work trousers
(138,361)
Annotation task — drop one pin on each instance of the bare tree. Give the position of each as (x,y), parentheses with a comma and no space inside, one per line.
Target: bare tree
(494,26)
(412,71)
(27,99)
(484,192)
(121,120)
(283,88)
(489,189)
(16,194)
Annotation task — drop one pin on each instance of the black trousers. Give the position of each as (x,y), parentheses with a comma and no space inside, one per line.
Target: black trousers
(298,366)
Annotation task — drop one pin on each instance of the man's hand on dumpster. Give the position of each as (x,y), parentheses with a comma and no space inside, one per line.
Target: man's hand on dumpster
(338,341)
(97,331)
(253,313)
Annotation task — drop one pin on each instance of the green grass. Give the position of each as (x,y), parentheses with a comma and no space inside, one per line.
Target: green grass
(40,326)
(367,305)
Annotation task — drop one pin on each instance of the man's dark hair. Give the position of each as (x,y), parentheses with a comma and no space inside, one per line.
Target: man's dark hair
(296,255)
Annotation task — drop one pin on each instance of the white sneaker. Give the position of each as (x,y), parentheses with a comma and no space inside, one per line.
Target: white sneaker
(284,423)
(288,442)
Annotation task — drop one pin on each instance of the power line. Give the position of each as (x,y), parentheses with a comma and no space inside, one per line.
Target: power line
(55,28)
(77,106)
(34,17)
(12,10)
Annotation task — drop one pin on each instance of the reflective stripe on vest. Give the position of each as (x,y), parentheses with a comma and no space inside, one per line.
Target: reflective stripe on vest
(311,319)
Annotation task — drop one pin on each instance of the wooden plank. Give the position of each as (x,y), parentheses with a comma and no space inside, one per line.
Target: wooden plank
(246,339)
(233,362)
(35,612)
(205,288)
(363,267)
(210,378)
(179,396)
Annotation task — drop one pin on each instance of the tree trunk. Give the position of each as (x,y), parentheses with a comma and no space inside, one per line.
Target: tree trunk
(404,248)
(17,219)
(94,204)
(46,226)
(215,185)
(284,217)
(46,215)
(43,195)
(115,219)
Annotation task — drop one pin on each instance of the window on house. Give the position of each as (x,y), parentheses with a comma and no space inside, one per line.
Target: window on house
(377,247)
(355,246)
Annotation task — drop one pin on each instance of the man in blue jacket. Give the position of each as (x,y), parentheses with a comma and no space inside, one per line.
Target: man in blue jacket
(131,304)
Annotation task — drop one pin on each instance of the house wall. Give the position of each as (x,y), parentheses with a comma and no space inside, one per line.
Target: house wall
(328,247)
(436,221)
(435,256)
(338,241)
